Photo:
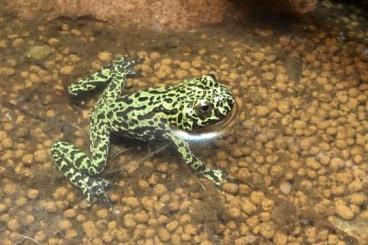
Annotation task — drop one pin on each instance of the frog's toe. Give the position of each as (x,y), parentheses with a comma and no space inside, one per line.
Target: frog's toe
(129,67)
(96,191)
(219,177)
(105,183)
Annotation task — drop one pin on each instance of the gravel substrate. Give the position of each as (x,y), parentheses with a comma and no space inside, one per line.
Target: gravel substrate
(296,152)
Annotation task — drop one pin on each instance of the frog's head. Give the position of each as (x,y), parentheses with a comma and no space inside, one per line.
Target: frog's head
(205,102)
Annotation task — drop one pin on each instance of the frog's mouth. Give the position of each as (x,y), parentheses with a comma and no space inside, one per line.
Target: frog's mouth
(210,132)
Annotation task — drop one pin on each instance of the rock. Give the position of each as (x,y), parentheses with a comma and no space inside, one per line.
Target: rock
(344,212)
(39,52)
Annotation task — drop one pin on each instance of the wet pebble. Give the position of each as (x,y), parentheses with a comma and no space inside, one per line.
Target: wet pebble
(231,188)
(164,235)
(344,212)
(13,225)
(66,70)
(104,56)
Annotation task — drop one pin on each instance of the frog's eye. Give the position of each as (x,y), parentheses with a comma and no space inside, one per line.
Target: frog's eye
(204,108)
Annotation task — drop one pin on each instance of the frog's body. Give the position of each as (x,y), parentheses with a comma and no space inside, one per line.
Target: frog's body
(145,115)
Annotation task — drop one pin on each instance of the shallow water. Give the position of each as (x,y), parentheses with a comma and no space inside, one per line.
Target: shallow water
(296,152)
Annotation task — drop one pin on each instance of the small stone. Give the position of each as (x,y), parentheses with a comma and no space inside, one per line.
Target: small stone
(185,65)
(284,41)
(40,156)
(248,207)
(160,189)
(172,225)
(67,70)
(231,188)
(154,56)
(70,213)
(70,234)
(336,163)
(39,52)
(129,221)
(358,199)
(32,193)
(90,229)
(283,107)
(189,229)
(141,218)
(102,213)
(132,202)
(164,235)
(50,113)
(276,171)
(180,74)
(344,212)
(64,224)
(7,143)
(166,61)
(9,188)
(262,111)
(40,236)
(234,212)
(280,238)
(257,197)
(104,56)
(285,188)
(196,63)
(13,225)
(269,76)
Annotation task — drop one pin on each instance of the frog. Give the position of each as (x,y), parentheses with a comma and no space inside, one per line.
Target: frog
(147,115)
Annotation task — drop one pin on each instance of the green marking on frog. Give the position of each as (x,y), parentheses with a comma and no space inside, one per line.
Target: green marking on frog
(145,115)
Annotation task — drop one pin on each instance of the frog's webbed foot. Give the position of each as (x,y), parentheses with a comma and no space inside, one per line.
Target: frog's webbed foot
(217,176)
(94,189)
(126,66)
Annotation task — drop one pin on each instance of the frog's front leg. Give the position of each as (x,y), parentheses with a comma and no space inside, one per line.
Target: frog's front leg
(215,175)
(80,169)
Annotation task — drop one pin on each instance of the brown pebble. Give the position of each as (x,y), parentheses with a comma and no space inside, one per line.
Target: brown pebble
(102,213)
(132,202)
(90,229)
(159,189)
(344,212)
(141,218)
(66,70)
(358,198)
(70,213)
(231,188)
(129,221)
(172,225)
(13,224)
(41,156)
(64,224)
(104,56)
(164,235)
(32,193)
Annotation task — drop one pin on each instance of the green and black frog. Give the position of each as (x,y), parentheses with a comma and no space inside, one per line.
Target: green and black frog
(154,113)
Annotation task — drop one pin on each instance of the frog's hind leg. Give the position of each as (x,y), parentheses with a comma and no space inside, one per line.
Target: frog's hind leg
(118,69)
(75,165)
